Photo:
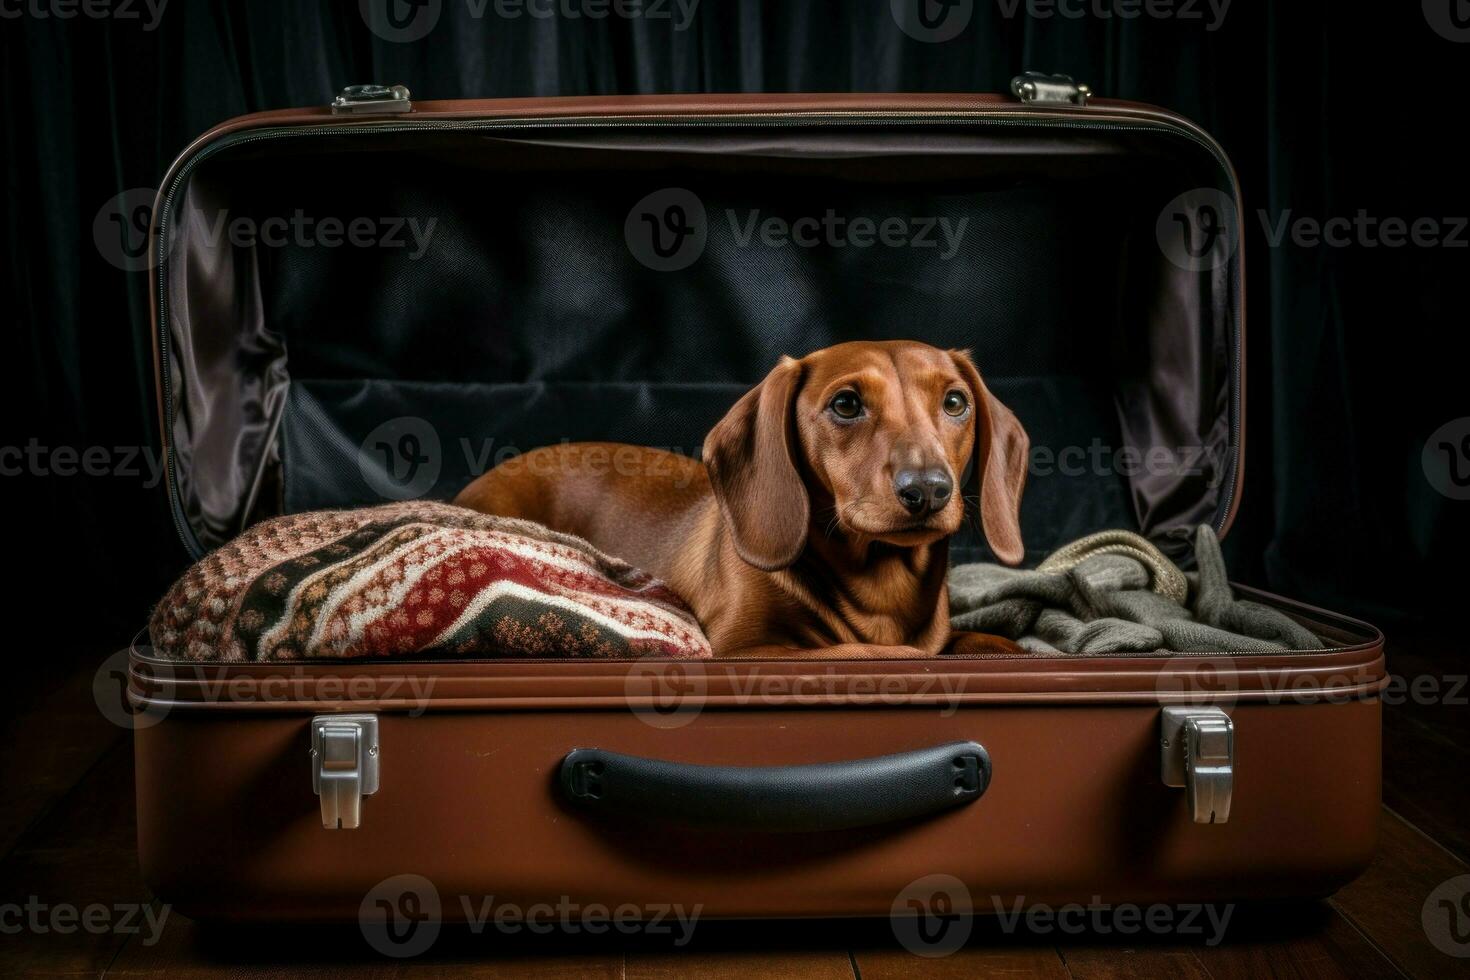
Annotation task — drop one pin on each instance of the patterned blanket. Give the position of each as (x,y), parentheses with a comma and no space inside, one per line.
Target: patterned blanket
(417,579)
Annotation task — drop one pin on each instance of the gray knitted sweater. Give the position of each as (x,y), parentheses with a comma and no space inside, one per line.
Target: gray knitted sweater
(1115,592)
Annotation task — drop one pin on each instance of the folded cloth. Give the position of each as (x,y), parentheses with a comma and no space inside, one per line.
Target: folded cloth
(1215,602)
(1165,576)
(417,578)
(1115,592)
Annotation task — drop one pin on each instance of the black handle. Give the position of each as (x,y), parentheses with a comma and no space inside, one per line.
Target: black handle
(825,796)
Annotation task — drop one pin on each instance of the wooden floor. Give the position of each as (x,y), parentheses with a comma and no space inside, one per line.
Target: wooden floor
(67,826)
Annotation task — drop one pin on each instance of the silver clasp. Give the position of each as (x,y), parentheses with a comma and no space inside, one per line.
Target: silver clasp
(1198,753)
(1035,86)
(364,99)
(344,766)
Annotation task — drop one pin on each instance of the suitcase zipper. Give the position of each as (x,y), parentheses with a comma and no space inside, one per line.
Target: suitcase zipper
(1150,121)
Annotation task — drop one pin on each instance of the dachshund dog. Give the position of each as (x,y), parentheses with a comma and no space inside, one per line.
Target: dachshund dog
(818,522)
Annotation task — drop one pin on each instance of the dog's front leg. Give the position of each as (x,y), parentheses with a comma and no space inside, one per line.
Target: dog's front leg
(966,644)
(842,651)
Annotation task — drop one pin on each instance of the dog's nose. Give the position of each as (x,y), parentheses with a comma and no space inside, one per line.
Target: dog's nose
(923,491)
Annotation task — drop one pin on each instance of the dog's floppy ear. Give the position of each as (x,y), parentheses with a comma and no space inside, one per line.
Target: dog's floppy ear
(750,455)
(1002,452)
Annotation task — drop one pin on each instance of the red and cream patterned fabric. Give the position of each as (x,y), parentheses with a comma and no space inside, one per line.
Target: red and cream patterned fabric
(417,579)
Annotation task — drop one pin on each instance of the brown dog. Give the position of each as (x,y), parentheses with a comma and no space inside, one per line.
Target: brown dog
(820,517)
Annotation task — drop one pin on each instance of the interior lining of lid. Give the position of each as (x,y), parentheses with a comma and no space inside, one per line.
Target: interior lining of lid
(527,319)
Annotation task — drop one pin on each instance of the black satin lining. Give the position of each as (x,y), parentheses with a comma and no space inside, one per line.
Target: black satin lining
(338,450)
(527,320)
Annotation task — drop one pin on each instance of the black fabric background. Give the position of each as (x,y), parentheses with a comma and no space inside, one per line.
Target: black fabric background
(1356,353)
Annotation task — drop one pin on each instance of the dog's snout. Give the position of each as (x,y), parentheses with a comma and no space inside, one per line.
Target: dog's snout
(923,491)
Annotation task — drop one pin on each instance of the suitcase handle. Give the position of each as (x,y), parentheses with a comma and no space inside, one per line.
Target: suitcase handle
(820,797)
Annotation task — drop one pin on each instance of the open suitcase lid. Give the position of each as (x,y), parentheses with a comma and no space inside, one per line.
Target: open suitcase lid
(381,299)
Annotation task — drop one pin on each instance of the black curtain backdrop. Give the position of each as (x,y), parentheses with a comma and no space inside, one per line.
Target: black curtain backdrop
(1327,109)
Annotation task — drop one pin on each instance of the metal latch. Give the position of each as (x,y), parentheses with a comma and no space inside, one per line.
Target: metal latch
(364,99)
(1035,86)
(1198,746)
(344,766)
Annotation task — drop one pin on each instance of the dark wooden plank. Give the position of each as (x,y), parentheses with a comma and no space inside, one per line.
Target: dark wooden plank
(740,965)
(1426,737)
(1387,903)
(49,740)
(880,951)
(183,956)
(191,950)
(80,860)
(1018,961)
(811,950)
(1129,962)
(1298,940)
(1310,940)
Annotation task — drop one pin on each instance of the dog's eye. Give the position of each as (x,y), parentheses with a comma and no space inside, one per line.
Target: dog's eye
(846,405)
(955,403)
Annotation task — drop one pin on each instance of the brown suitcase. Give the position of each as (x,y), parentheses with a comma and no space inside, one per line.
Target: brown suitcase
(536,313)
